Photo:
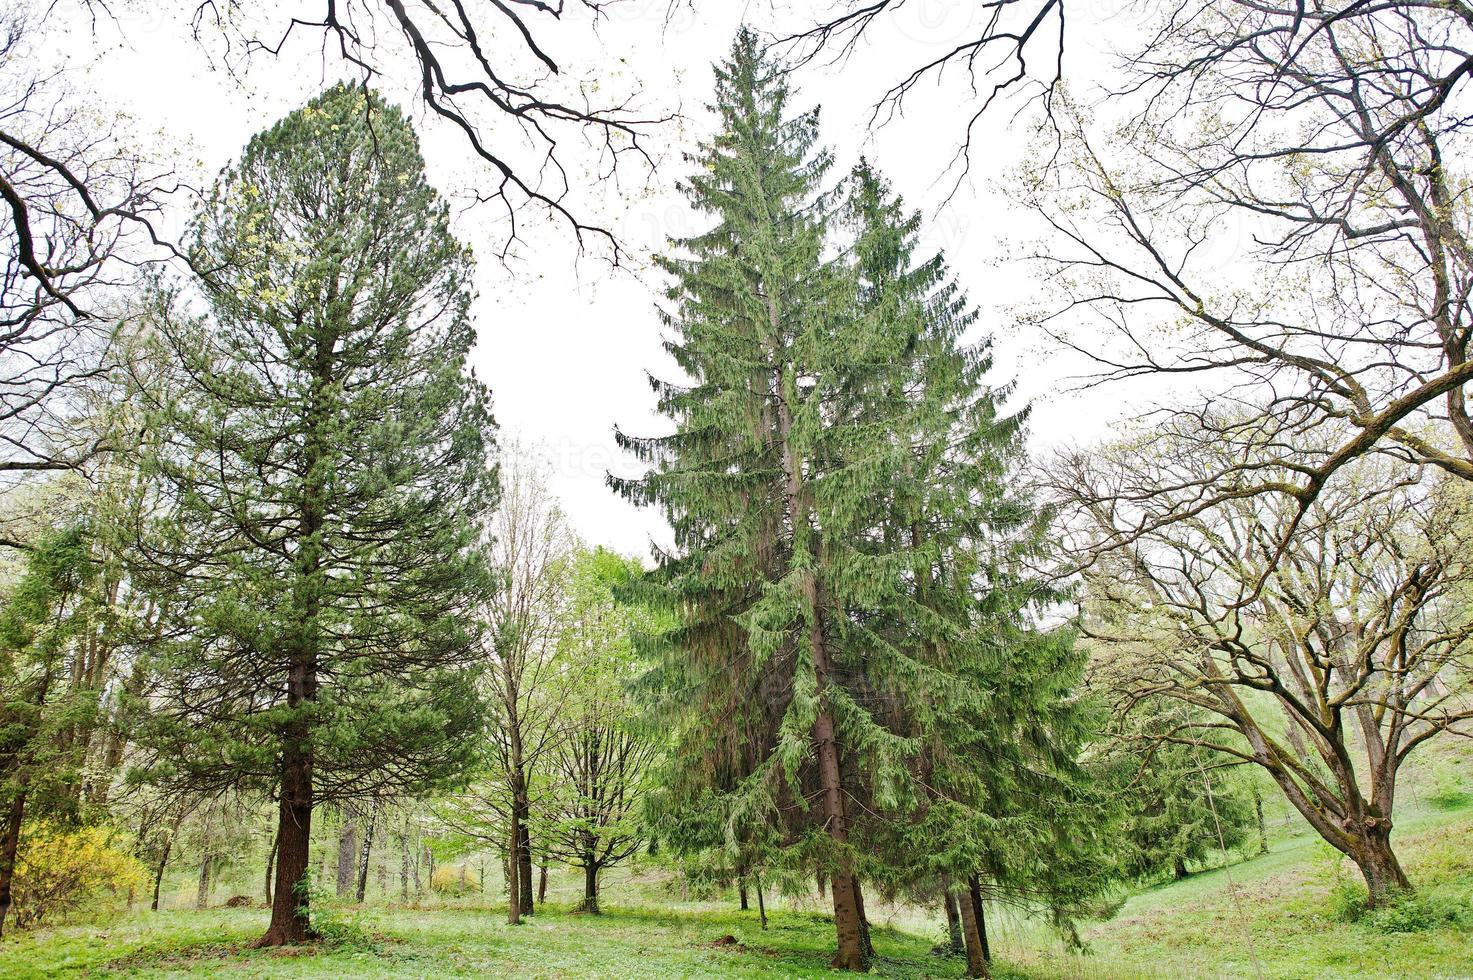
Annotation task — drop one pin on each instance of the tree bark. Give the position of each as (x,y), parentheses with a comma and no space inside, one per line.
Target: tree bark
(9,845)
(742,896)
(542,883)
(202,896)
(290,921)
(1179,868)
(347,857)
(864,935)
(270,867)
(761,904)
(524,857)
(158,875)
(972,932)
(953,923)
(590,885)
(364,854)
(513,869)
(974,892)
(1384,876)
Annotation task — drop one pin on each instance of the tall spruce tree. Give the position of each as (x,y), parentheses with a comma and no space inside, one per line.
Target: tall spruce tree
(989,700)
(322,465)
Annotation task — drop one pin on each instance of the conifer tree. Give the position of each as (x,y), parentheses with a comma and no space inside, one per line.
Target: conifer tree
(322,465)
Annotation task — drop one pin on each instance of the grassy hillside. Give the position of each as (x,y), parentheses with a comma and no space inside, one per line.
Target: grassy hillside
(1274,916)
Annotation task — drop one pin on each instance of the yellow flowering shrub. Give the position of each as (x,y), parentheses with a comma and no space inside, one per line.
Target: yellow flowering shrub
(58,871)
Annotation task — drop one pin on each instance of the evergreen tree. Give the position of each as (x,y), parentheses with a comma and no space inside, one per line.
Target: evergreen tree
(322,464)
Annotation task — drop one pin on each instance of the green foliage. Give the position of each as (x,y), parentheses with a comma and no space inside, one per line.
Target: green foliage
(320,448)
(59,872)
(1416,913)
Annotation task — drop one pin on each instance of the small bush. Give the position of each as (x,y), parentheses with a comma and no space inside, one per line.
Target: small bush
(1415,913)
(1347,901)
(58,872)
(454,881)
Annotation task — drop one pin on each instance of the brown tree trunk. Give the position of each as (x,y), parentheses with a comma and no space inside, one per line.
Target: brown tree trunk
(761,904)
(742,896)
(590,885)
(9,845)
(542,883)
(513,869)
(158,875)
(864,936)
(1379,866)
(1179,868)
(404,873)
(953,923)
(974,892)
(972,932)
(290,921)
(524,857)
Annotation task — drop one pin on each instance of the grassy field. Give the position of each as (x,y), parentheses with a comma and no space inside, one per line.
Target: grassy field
(1272,916)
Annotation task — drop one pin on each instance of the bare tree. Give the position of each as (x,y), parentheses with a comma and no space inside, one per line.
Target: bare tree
(1283,224)
(487,70)
(78,206)
(531,548)
(1327,662)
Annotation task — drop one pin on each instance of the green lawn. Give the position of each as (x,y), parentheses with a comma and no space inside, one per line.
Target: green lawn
(1269,917)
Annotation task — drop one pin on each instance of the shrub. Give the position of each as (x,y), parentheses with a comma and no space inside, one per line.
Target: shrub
(1415,913)
(59,871)
(454,881)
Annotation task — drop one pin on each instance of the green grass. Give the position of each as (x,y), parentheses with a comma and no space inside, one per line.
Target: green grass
(1270,917)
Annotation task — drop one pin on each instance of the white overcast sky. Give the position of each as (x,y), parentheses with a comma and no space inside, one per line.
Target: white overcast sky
(565,343)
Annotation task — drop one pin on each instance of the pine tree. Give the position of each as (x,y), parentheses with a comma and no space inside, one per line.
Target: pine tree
(322,471)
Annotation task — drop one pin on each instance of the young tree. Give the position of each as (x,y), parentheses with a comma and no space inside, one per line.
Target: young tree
(602,758)
(322,465)
(532,548)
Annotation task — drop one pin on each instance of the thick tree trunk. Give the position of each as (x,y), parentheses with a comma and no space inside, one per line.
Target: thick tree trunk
(953,923)
(1379,866)
(290,921)
(972,933)
(590,885)
(9,845)
(1179,868)
(364,853)
(974,892)
(742,896)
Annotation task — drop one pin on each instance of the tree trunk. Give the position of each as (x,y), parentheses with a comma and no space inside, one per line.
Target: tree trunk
(953,923)
(761,904)
(270,867)
(1379,866)
(1262,827)
(1179,868)
(742,895)
(513,868)
(524,872)
(972,932)
(347,857)
(541,883)
(158,875)
(864,936)
(590,885)
(8,848)
(290,921)
(364,854)
(974,890)
(202,896)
